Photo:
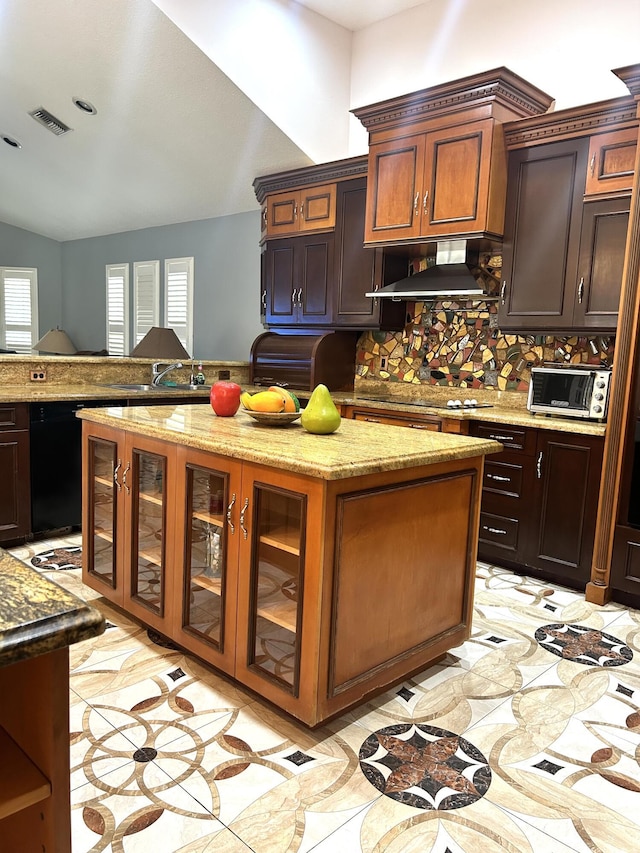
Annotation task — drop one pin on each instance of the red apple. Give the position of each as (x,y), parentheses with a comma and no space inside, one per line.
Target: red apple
(225,398)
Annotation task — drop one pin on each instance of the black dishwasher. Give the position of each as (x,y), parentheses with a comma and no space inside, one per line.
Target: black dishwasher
(56,464)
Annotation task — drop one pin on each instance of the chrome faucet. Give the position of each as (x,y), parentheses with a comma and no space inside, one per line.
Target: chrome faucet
(158,374)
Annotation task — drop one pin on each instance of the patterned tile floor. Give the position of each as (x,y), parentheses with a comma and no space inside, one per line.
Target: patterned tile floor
(526,738)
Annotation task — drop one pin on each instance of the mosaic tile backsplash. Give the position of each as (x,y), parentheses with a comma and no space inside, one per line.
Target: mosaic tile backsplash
(459,344)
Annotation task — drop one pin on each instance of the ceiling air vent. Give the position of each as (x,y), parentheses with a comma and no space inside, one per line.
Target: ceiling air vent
(48,120)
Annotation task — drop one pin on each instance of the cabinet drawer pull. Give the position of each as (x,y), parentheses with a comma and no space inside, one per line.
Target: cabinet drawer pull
(539,465)
(124,478)
(494,530)
(503,292)
(415,203)
(372,420)
(242,514)
(498,437)
(230,523)
(498,478)
(419,426)
(580,290)
(115,475)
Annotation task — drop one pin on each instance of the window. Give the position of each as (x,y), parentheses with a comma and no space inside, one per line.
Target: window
(178,299)
(118,309)
(175,311)
(146,297)
(18,308)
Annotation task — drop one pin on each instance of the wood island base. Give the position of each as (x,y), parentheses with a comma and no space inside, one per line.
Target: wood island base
(316,592)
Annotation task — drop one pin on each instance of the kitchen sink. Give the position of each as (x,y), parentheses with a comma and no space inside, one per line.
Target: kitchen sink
(134,387)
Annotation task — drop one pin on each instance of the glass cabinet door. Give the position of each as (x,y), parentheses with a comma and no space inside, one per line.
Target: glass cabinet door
(147,481)
(276,583)
(206,554)
(104,468)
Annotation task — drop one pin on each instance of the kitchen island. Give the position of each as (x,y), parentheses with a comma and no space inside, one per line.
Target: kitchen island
(315,570)
(38,622)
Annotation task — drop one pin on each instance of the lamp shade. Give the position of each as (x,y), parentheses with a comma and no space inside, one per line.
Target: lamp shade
(56,342)
(160,343)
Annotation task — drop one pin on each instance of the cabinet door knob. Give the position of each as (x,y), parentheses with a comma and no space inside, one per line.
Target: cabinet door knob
(415,203)
(580,290)
(115,474)
(230,523)
(245,506)
(503,292)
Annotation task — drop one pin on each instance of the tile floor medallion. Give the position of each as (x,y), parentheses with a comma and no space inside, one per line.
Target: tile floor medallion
(525,739)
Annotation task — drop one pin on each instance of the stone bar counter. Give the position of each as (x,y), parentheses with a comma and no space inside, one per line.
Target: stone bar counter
(39,620)
(316,570)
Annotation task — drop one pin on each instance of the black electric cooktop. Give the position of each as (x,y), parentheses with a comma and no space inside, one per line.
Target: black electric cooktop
(455,404)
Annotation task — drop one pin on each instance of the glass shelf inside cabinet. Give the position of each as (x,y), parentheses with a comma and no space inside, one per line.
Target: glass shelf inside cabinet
(102,461)
(203,610)
(148,575)
(277,578)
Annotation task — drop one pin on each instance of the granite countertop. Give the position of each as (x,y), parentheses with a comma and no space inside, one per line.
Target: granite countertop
(35,393)
(38,616)
(506,408)
(355,449)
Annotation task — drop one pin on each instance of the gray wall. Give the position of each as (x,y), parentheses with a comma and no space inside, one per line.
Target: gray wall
(20,248)
(226,272)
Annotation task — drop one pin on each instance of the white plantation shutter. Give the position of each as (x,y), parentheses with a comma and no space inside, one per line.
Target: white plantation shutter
(146,297)
(118,309)
(178,299)
(18,308)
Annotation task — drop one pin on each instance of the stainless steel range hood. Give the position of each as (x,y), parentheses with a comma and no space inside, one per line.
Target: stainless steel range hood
(450,278)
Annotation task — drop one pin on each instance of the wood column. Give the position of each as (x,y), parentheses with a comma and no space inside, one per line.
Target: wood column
(621,400)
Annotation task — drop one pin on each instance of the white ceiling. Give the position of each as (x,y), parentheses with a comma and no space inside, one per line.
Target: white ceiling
(357,14)
(151,155)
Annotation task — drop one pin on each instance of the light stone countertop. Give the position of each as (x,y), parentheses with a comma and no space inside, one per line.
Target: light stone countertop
(355,449)
(506,408)
(38,616)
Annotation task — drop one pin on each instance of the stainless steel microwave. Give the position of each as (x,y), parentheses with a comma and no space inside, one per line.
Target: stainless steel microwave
(570,392)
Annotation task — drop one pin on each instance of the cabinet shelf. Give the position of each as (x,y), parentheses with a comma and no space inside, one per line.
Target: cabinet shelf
(282,539)
(104,481)
(208,518)
(22,784)
(214,585)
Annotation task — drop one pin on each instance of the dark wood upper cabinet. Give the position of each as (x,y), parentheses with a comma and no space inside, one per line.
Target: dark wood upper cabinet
(320,279)
(603,239)
(542,236)
(566,219)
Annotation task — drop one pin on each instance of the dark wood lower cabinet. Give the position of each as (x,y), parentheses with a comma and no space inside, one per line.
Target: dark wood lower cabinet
(15,496)
(625,565)
(539,502)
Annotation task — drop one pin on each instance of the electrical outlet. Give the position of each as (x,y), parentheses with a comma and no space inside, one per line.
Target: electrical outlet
(383,362)
(39,375)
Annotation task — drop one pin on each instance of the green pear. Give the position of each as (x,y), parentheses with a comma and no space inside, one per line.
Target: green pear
(320,415)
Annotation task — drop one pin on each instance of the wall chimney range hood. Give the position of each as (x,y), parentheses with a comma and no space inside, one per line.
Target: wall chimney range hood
(450,278)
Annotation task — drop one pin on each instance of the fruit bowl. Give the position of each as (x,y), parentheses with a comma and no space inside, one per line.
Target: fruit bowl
(273,418)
